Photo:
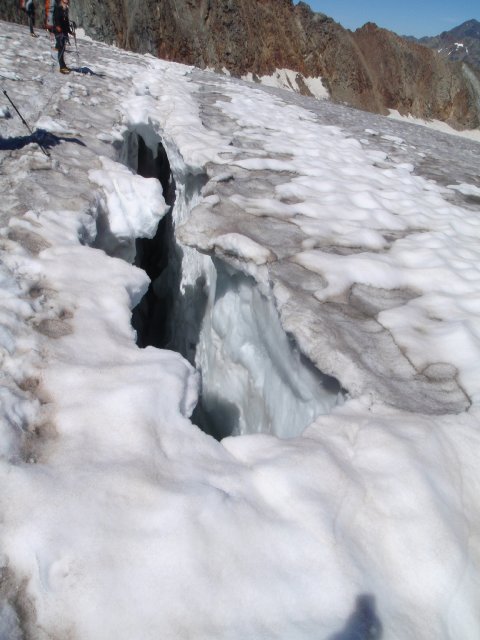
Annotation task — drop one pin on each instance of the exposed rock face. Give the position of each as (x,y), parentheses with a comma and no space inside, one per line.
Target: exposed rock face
(415,80)
(371,69)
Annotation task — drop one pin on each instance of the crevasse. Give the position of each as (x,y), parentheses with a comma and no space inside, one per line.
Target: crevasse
(253,377)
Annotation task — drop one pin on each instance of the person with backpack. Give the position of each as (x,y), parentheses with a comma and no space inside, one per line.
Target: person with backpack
(61,29)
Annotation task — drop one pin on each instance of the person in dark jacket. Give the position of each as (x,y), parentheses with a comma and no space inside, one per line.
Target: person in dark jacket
(62,29)
(30,11)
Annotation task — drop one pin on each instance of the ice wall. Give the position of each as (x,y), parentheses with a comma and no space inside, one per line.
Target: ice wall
(254,379)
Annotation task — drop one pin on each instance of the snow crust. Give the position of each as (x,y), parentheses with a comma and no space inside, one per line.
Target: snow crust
(133,206)
(121,519)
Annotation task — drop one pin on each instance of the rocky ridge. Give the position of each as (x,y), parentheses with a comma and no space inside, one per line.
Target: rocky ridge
(461,43)
(371,69)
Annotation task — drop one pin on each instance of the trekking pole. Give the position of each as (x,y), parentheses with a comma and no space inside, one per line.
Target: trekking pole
(25,122)
(73,26)
(51,47)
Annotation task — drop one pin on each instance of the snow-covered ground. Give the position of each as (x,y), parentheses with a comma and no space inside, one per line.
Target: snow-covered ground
(292,81)
(345,504)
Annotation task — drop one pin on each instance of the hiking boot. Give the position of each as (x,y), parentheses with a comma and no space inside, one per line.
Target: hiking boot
(64,70)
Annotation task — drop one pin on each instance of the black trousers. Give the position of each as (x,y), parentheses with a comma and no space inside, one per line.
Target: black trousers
(31,18)
(61,40)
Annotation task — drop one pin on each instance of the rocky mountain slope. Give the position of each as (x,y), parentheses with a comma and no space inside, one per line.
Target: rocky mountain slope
(461,43)
(371,68)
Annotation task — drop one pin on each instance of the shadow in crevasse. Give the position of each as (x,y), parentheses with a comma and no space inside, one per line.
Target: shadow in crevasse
(87,72)
(44,138)
(363,623)
(216,417)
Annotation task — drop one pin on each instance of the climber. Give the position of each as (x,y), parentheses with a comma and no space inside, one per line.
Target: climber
(29,7)
(61,29)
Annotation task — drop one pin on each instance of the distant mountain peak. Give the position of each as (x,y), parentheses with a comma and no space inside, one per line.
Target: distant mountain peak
(462,43)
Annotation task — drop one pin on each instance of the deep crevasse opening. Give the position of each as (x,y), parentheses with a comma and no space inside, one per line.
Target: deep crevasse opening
(253,377)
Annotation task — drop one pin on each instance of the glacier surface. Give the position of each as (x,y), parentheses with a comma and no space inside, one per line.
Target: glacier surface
(324,265)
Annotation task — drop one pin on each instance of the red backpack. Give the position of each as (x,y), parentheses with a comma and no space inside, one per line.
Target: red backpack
(49,9)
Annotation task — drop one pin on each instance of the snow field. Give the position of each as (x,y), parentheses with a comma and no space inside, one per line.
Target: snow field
(293,81)
(344,200)
(128,521)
